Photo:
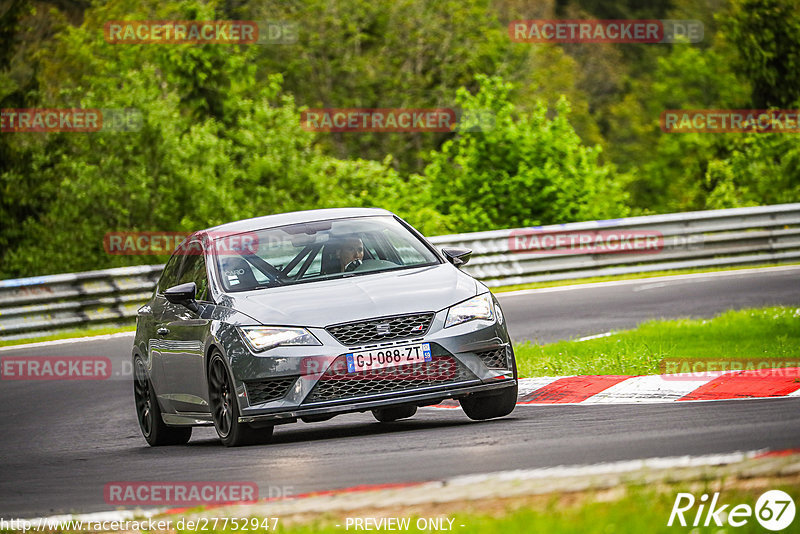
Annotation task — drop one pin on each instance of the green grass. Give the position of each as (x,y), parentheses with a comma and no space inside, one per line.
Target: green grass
(634,276)
(70,334)
(754,333)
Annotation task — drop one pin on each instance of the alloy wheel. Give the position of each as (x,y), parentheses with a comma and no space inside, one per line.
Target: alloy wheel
(141,392)
(220,397)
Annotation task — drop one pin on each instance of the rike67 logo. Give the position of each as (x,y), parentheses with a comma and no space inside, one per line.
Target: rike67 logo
(774,510)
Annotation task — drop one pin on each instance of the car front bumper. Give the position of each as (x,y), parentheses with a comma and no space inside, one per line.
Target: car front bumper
(464,344)
(417,397)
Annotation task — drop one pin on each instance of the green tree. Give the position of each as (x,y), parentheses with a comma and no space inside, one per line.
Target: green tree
(526,170)
(766,34)
(669,168)
(209,150)
(412,54)
(760,169)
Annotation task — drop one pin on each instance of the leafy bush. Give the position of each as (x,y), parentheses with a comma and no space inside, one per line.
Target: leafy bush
(526,170)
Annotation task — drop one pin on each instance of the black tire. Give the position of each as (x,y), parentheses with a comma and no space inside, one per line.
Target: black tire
(387,415)
(225,409)
(148,412)
(490,405)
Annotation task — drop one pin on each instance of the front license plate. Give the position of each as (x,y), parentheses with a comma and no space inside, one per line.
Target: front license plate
(366,360)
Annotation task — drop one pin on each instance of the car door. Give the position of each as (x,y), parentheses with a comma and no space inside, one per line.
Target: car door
(151,315)
(183,333)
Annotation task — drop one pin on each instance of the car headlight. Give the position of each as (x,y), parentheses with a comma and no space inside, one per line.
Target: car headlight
(480,307)
(262,338)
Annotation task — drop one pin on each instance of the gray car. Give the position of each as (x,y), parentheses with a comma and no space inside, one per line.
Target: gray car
(313,314)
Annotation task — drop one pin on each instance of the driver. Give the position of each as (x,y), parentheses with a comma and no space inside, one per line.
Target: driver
(350,254)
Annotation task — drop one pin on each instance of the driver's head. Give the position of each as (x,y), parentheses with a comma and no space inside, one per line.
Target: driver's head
(350,250)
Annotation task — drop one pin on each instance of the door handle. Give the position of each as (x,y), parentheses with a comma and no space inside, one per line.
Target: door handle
(162,331)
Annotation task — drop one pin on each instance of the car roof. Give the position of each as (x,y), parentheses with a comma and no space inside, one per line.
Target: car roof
(295,217)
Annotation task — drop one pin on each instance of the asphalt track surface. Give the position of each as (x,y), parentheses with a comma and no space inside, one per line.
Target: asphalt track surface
(62,441)
(564,313)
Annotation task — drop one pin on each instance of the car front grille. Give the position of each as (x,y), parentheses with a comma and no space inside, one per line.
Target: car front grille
(269,389)
(494,359)
(381,329)
(336,383)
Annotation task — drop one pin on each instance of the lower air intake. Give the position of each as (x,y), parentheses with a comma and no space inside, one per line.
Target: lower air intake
(336,383)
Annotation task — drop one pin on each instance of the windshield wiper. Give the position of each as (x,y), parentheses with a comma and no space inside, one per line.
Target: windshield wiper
(264,286)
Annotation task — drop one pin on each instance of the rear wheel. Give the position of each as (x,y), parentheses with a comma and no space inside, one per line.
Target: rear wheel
(490,405)
(225,409)
(148,412)
(387,415)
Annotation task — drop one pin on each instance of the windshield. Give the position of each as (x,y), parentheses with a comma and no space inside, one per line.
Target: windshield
(323,250)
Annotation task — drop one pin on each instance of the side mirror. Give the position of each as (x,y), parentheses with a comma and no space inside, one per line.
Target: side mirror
(183,294)
(457,256)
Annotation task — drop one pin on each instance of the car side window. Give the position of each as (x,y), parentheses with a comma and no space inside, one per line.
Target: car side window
(169,277)
(194,270)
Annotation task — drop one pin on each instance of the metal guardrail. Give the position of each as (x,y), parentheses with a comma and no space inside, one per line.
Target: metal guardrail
(32,307)
(37,306)
(739,236)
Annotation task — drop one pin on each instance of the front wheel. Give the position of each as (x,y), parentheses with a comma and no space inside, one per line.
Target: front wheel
(490,405)
(148,412)
(225,409)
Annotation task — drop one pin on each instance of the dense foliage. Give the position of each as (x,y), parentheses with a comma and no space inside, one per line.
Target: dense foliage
(575,137)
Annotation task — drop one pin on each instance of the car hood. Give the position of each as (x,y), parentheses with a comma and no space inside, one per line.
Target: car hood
(319,304)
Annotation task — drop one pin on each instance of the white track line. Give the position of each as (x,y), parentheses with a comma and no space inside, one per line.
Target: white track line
(102,337)
(647,389)
(596,336)
(607,467)
(529,385)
